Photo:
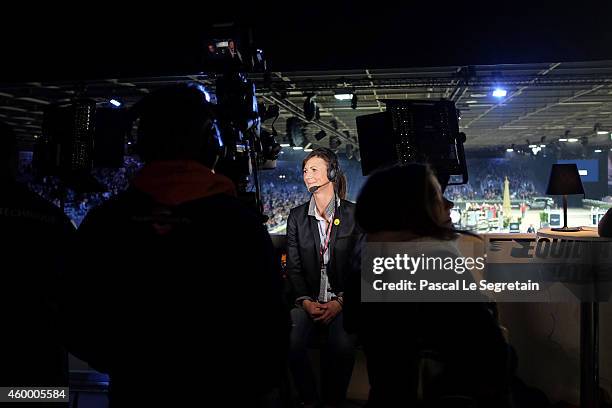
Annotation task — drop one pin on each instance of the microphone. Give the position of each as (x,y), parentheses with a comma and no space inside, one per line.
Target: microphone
(315,188)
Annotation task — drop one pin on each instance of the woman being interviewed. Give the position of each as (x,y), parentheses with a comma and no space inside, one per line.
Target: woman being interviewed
(321,237)
(405,204)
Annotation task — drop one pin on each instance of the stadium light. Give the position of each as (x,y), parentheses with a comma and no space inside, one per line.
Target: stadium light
(344,96)
(499,92)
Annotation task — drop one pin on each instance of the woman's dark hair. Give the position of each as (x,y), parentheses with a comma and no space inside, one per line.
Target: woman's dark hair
(331,160)
(401,198)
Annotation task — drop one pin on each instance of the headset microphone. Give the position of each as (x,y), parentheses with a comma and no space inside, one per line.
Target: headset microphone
(315,188)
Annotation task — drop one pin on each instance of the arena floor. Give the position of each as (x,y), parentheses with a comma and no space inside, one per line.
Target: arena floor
(576,217)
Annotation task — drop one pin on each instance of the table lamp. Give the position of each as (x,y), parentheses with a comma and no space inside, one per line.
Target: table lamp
(565,180)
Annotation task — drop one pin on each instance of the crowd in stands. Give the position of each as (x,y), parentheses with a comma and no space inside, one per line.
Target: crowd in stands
(76,205)
(279,198)
(486,181)
(283,189)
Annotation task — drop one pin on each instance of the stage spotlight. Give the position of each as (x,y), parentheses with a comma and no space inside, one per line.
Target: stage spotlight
(320,135)
(584,141)
(310,107)
(295,133)
(349,151)
(115,103)
(334,142)
(270,148)
(269,112)
(284,142)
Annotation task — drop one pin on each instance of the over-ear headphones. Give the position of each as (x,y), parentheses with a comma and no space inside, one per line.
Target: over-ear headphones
(213,148)
(333,167)
(184,111)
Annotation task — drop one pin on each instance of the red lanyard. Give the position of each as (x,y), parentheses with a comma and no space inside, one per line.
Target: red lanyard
(327,237)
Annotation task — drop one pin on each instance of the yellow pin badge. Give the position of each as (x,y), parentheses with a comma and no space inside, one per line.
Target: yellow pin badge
(337,222)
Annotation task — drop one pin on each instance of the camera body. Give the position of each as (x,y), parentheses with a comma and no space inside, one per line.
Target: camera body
(81,135)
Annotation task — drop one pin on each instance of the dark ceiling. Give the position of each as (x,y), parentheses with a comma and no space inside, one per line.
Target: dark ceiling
(56,42)
(544,101)
(556,64)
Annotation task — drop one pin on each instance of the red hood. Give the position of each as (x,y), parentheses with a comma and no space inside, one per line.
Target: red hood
(178,181)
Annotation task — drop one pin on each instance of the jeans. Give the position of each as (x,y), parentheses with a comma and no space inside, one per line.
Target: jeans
(337,358)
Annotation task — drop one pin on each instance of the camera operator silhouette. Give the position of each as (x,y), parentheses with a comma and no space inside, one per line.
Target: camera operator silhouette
(178,297)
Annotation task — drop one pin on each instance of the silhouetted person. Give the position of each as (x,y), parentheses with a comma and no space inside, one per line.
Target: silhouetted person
(36,241)
(178,295)
(321,236)
(604,228)
(405,204)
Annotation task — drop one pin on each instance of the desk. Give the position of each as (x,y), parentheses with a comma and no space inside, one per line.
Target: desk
(589,323)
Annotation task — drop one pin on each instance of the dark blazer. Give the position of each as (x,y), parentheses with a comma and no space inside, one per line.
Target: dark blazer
(304,245)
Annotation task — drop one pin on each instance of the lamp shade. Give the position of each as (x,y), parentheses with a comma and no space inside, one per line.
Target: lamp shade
(564,180)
